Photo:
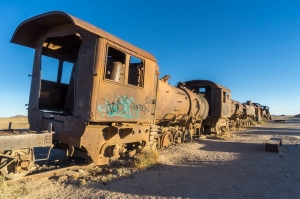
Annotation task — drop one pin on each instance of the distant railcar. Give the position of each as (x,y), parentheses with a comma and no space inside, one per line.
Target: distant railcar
(262,113)
(242,114)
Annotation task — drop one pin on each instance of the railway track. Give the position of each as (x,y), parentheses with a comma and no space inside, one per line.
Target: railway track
(48,173)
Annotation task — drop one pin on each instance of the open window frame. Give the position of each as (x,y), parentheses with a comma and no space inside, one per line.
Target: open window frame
(122,67)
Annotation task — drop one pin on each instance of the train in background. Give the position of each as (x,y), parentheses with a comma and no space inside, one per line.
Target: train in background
(224,113)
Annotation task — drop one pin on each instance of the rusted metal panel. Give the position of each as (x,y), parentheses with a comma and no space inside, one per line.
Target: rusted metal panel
(35,118)
(122,101)
(176,104)
(35,79)
(75,126)
(83,82)
(11,140)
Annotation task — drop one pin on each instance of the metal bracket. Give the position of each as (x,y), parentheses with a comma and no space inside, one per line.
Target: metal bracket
(48,155)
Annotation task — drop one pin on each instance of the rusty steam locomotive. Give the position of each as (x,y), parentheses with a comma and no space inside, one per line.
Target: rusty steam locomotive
(112,103)
(103,97)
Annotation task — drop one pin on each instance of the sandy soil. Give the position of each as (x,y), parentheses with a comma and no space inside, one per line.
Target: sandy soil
(237,167)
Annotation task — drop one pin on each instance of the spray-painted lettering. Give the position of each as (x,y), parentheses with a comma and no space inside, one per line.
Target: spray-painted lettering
(123,106)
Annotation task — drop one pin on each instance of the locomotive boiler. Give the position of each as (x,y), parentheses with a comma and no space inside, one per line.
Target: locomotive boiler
(101,95)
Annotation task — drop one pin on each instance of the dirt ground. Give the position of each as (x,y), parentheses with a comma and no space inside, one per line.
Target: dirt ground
(237,167)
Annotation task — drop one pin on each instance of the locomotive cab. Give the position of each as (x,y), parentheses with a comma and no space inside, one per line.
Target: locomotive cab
(219,100)
(84,82)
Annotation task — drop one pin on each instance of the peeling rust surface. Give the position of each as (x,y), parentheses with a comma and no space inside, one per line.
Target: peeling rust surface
(16,140)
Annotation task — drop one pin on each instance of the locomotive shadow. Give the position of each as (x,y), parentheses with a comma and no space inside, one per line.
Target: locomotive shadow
(202,178)
(232,147)
(227,170)
(42,152)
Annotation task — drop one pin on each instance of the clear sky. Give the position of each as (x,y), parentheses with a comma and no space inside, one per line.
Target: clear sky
(252,46)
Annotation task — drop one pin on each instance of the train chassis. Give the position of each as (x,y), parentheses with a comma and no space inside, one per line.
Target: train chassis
(17,151)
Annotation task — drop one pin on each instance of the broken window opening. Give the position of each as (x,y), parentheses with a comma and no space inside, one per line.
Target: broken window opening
(58,60)
(115,65)
(202,90)
(225,97)
(136,72)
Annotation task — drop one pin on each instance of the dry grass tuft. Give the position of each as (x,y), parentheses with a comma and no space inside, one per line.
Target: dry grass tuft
(108,178)
(223,136)
(7,191)
(82,182)
(21,191)
(145,159)
(261,122)
(4,188)
(253,123)
(75,176)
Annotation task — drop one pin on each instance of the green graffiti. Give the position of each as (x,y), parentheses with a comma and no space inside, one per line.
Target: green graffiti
(122,106)
(119,107)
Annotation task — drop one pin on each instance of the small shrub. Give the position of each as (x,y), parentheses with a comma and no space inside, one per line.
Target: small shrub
(146,159)
(7,191)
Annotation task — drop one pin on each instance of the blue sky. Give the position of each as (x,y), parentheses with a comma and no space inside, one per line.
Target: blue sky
(252,47)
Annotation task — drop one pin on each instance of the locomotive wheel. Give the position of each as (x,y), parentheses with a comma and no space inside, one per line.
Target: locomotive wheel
(166,139)
(19,165)
(178,137)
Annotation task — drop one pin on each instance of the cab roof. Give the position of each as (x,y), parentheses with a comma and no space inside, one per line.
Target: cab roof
(204,83)
(31,29)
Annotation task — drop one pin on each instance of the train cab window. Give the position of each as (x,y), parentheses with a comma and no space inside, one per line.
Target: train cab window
(225,97)
(115,65)
(116,70)
(202,90)
(49,68)
(136,72)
